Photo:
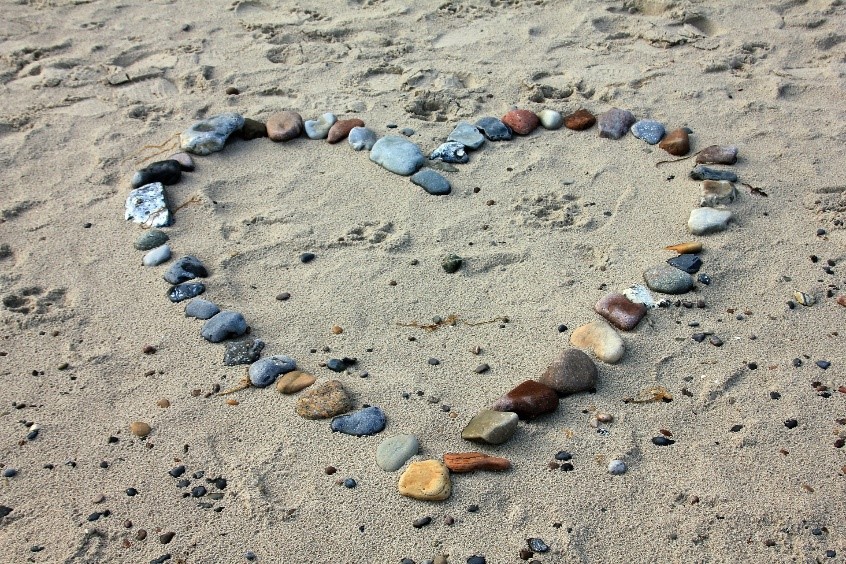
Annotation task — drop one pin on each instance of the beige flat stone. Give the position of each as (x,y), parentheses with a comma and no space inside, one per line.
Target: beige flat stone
(600,338)
(293,382)
(427,480)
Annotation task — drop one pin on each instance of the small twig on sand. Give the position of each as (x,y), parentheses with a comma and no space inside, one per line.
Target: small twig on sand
(242,385)
(169,145)
(195,199)
(450,320)
(755,191)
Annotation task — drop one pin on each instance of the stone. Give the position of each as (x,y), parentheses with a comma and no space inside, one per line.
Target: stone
(468,135)
(571,373)
(491,427)
(184,159)
(167,172)
(521,122)
(284,126)
(252,129)
(617,467)
(294,381)
(550,119)
(397,154)
(185,269)
(393,452)
(151,239)
(621,312)
(225,325)
(185,291)
(247,351)
(580,120)
(493,129)
(537,545)
(341,129)
(432,182)
(463,462)
(147,205)
(426,480)
(667,279)
(336,365)
(319,128)
(648,130)
(201,309)
(362,138)
(450,152)
(689,263)
(451,263)
(700,172)
(717,193)
(528,400)
(601,339)
(139,429)
(209,135)
(157,256)
(708,220)
(676,142)
(614,123)
(327,400)
(264,372)
(362,423)
(717,154)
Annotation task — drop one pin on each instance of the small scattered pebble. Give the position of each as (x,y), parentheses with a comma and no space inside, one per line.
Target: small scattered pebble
(661,440)
(139,429)
(421,522)
(451,263)
(617,467)
(791,423)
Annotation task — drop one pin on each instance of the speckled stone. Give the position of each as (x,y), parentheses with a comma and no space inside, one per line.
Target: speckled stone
(427,480)
(247,351)
(327,400)
(614,123)
(718,154)
(148,206)
(450,152)
(620,311)
(667,279)
(186,291)
(490,426)
(393,452)
(648,130)
(600,338)
(521,122)
(571,373)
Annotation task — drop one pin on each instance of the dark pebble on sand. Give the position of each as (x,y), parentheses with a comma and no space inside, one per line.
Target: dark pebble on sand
(698,337)
(284,296)
(250,555)
(567,467)
(537,545)
(563,455)
(433,361)
(161,559)
(421,522)
(775,395)
(752,366)
(791,423)
(824,364)
(198,491)
(838,443)
(329,470)
(10,473)
(662,441)
(104,464)
(473,508)
(716,341)
(350,483)
(306,258)
(797,362)
(477,559)
(5,510)
(183,483)
(736,428)
(177,472)
(820,232)
(482,368)
(449,521)
(562,328)
(165,538)
(336,365)
(131,492)
(94,516)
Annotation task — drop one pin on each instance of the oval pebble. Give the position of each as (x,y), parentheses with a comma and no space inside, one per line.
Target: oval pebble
(393,452)
(521,122)
(432,182)
(157,256)
(341,129)
(186,291)
(284,126)
(364,422)
(151,239)
(225,325)
(617,467)
(264,372)
(319,128)
(708,220)
(167,172)
(201,309)
(362,138)
(550,119)
(667,279)
(398,155)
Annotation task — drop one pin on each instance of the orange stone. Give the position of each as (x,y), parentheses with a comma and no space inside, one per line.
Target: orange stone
(676,142)
(521,122)
(580,120)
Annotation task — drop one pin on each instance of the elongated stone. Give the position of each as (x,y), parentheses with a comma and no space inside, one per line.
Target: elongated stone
(393,452)
(167,172)
(432,182)
(687,262)
(490,426)
(463,462)
(151,239)
(185,269)
(201,309)
(157,256)
(601,339)
(718,154)
(185,291)
(708,220)
(209,135)
(362,423)
(341,129)
(147,205)
(294,381)
(700,172)
(528,399)
(265,371)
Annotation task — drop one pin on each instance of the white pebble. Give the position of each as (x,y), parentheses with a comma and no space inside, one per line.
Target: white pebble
(157,256)
(617,467)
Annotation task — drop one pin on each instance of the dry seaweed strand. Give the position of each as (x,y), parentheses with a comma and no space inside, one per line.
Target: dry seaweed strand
(170,144)
(755,191)
(451,320)
(242,385)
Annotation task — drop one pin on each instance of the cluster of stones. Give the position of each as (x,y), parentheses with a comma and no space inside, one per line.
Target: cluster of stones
(572,372)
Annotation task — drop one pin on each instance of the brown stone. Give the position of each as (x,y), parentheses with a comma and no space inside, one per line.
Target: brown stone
(572,372)
(252,130)
(163,403)
(462,462)
(676,142)
(327,400)
(620,311)
(294,381)
(527,400)
(284,126)
(841,299)
(139,428)
(717,154)
(579,120)
(521,122)
(341,128)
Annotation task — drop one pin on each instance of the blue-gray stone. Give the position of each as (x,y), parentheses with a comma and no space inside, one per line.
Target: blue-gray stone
(167,172)
(186,291)
(264,372)
(432,182)
(361,138)
(649,130)
(336,365)
(393,452)
(225,325)
(667,279)
(364,422)
(209,135)
(397,154)
(468,135)
(407,131)
(185,269)
(201,309)
(242,352)
(450,152)
(151,239)
(614,123)
(147,205)
(617,467)
(700,172)
(319,128)
(494,129)
(688,262)
(157,256)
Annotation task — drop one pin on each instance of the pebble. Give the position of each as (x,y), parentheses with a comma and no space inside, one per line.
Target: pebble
(139,429)
(537,545)
(426,480)
(600,338)
(185,161)
(468,135)
(717,192)
(167,172)
(521,122)
(451,263)
(614,123)
(700,172)
(284,126)
(361,423)
(667,279)
(147,205)
(687,262)
(621,312)
(717,154)
(151,239)
(252,129)
(639,294)
(350,483)
(703,278)
(9,472)
(661,440)
(294,381)
(185,269)
(186,291)
(676,142)
(432,182)
(571,373)
(327,400)
(477,559)
(580,120)
(165,538)
(791,423)
(550,119)
(528,399)
(362,138)
(493,129)
(482,368)
(824,364)
(708,220)
(617,467)
(264,372)
(225,325)
(157,256)
(307,257)
(336,365)
(5,510)
(395,451)
(491,427)
(177,471)
(319,128)
(463,462)
(421,522)
(450,152)
(341,129)
(398,155)
(201,309)
(209,135)
(648,130)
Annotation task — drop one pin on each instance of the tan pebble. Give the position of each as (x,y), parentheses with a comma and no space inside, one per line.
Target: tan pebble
(337,329)
(139,428)
(426,480)
(841,299)
(284,126)
(604,417)
(163,403)
(684,248)
(232,402)
(293,382)
(602,339)
(99,498)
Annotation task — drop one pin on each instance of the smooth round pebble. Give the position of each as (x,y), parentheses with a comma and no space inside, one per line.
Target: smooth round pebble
(157,256)
(264,372)
(550,119)
(432,182)
(667,279)
(393,452)
(708,220)
(398,155)
(617,467)
(151,239)
(201,309)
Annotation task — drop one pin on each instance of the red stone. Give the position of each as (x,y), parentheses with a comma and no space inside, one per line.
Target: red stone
(342,128)
(579,120)
(620,311)
(528,400)
(676,142)
(521,122)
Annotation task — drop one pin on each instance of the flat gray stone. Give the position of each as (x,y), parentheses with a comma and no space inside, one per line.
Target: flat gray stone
(398,155)
(209,135)
(199,308)
(264,372)
(362,138)
(468,135)
(225,325)
(157,256)
(432,182)
(393,452)
(491,427)
(667,279)
(708,220)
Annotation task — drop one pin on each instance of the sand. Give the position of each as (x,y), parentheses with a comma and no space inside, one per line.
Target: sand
(560,218)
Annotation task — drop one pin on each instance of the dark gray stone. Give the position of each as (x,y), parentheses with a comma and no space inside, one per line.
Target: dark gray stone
(242,352)
(364,422)
(225,325)
(494,129)
(432,182)
(201,309)
(184,269)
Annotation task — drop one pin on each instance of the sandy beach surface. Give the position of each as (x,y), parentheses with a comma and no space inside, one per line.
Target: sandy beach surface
(546,224)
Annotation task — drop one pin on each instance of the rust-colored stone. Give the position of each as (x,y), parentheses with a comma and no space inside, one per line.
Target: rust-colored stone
(579,120)
(528,399)
(341,129)
(462,462)
(676,142)
(521,122)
